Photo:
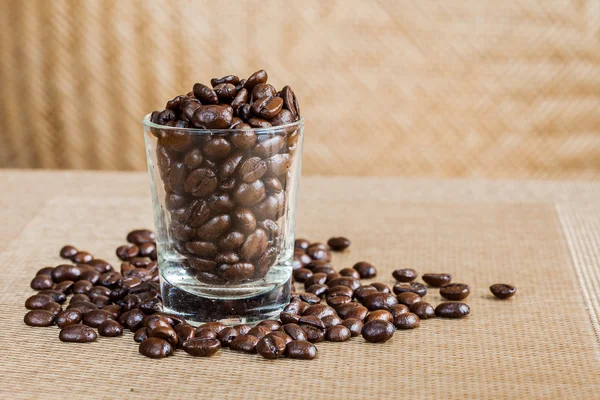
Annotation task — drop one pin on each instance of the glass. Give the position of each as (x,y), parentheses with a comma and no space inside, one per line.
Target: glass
(225,214)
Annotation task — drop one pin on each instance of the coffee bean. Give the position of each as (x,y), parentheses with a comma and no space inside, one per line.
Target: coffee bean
(352,273)
(423,310)
(287,318)
(82,257)
(68,317)
(114,310)
(244,138)
(82,287)
(249,194)
(53,307)
(38,301)
(243,329)
(77,334)
(155,348)
(201,182)
(91,276)
(313,327)
(408,298)
(95,318)
(271,347)
(455,291)
(212,117)
(252,169)
(319,311)
(101,301)
(378,331)
(68,252)
(110,328)
(164,332)
(272,324)
(301,244)
(240,98)
(452,309)
(344,281)
(338,243)
(267,107)
(39,318)
(259,331)
(318,251)
(216,148)
(290,102)
(301,350)
(363,291)
(317,289)
(263,90)
(141,335)
(65,286)
(201,347)
(354,326)
(227,335)
(269,147)
(381,287)
(352,310)
(365,269)
(339,297)
(46,271)
(407,321)
(234,80)
(100,265)
(244,343)
(278,165)
(383,315)
(216,327)
(437,280)
(225,92)
(338,333)
(132,319)
(256,78)
(140,236)
(413,287)
(205,94)
(379,301)
(398,309)
(331,320)
(405,275)
(300,275)
(82,305)
(66,272)
(503,290)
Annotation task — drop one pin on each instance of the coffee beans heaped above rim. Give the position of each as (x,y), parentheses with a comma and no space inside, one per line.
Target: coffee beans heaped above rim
(104,302)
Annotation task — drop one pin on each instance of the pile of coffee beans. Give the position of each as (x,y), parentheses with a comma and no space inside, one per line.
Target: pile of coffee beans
(226,192)
(335,306)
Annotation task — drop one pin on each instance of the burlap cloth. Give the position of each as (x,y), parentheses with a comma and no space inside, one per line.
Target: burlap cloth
(542,236)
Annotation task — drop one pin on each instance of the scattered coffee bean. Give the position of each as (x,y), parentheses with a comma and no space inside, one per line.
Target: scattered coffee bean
(244,343)
(42,282)
(413,287)
(301,350)
(156,348)
(365,269)
(423,310)
(110,328)
(39,318)
(271,347)
(354,325)
(383,315)
(69,317)
(503,290)
(377,331)
(452,309)
(53,307)
(77,334)
(408,298)
(338,333)
(455,291)
(82,257)
(437,280)
(405,275)
(38,301)
(407,321)
(68,252)
(201,347)
(351,272)
(379,301)
(338,243)
(141,335)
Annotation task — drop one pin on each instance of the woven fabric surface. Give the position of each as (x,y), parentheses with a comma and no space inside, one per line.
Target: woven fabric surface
(426,88)
(541,236)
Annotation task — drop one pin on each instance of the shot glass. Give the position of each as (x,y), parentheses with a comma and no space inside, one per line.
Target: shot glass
(225,214)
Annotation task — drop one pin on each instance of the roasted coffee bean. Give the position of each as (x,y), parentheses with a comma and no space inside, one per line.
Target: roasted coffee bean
(38,301)
(164,332)
(318,289)
(240,98)
(101,301)
(132,319)
(437,280)
(216,148)
(354,326)
(151,306)
(66,272)
(91,276)
(237,272)
(155,348)
(65,286)
(455,291)
(408,298)
(399,309)
(244,343)
(227,335)
(42,282)
(127,251)
(252,169)
(378,331)
(212,117)
(201,347)
(338,333)
(175,103)
(503,291)
(82,287)
(95,318)
(109,280)
(301,244)
(146,249)
(140,236)
(271,347)
(68,317)
(263,90)
(352,273)
(318,251)
(234,80)
(83,306)
(214,228)
(166,116)
(452,309)
(56,296)
(294,331)
(290,102)
(423,310)
(362,291)
(244,138)
(413,287)
(365,269)
(249,194)
(53,307)
(309,298)
(331,320)
(269,147)
(46,271)
(243,329)
(232,241)
(289,318)
(286,338)
(205,94)
(272,324)
(407,321)
(184,332)
(379,301)
(225,92)
(110,328)
(39,318)
(381,287)
(114,310)
(259,331)
(256,78)
(100,265)
(352,310)
(267,107)
(98,291)
(313,327)
(216,327)
(201,182)
(141,335)
(344,281)
(300,275)
(301,350)
(338,243)
(329,271)
(337,298)
(383,315)
(77,334)
(319,311)
(68,252)
(405,275)
(82,257)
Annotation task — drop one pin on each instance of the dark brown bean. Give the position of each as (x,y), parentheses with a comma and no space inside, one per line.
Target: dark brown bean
(110,328)
(232,241)
(201,347)
(244,138)
(405,275)
(227,335)
(205,94)
(77,334)
(302,274)
(69,317)
(259,331)
(132,319)
(95,318)
(141,335)
(452,309)
(383,315)
(354,326)
(269,147)
(263,90)
(65,286)
(155,348)
(407,321)
(243,329)
(83,306)
(68,252)
(39,318)
(352,273)
(423,310)
(272,324)
(338,333)
(42,282)
(234,80)
(313,327)
(455,291)
(301,244)
(408,298)
(225,92)
(503,291)
(437,280)
(413,287)
(82,287)
(201,182)
(338,243)
(301,350)
(352,310)
(249,194)
(46,271)
(271,347)
(259,76)
(379,301)
(216,148)
(398,309)
(331,320)
(212,117)
(82,257)
(184,332)
(214,228)
(66,272)
(244,343)
(267,107)
(378,331)
(365,269)
(290,102)
(344,281)
(363,291)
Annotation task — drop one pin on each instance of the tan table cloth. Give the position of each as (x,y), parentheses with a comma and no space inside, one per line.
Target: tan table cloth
(542,236)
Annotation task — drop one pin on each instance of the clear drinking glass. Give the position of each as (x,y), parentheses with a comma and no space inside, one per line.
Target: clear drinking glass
(225,214)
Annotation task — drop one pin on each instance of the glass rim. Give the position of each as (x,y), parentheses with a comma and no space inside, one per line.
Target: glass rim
(259,131)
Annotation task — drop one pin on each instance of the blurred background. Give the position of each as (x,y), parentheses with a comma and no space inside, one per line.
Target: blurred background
(495,89)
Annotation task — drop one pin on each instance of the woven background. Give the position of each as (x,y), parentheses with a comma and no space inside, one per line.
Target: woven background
(543,237)
(413,88)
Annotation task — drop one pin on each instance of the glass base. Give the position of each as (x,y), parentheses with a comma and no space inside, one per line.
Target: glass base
(199,302)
